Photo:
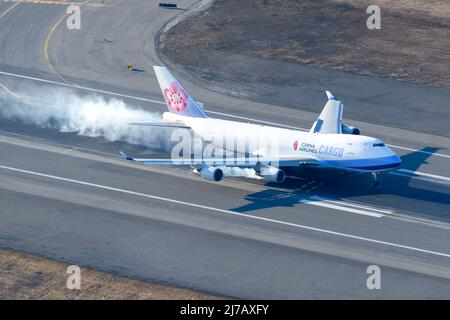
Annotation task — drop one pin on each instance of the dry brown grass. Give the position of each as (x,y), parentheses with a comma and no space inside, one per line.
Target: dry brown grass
(24,276)
(413,44)
(433,8)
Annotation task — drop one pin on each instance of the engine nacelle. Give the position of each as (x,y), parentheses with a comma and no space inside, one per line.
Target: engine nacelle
(211,173)
(350,130)
(272,174)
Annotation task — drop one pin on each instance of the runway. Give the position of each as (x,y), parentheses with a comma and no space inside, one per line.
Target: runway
(72,198)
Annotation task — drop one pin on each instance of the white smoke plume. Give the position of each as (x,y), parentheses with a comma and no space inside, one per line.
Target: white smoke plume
(240,172)
(92,116)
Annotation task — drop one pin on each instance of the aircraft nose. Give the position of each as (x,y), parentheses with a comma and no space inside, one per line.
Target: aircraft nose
(394,158)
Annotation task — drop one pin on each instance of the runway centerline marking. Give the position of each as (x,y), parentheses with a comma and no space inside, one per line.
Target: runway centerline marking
(208,111)
(194,205)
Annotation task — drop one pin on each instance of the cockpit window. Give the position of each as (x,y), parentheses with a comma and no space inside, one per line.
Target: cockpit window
(379,144)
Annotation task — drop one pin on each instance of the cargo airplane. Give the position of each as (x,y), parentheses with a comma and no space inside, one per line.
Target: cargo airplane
(272,152)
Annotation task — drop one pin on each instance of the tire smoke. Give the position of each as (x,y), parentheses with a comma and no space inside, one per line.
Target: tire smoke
(91,116)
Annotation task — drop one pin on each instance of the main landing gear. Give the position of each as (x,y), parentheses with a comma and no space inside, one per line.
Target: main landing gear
(374,179)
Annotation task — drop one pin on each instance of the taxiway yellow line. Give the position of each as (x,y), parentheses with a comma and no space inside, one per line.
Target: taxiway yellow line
(46,43)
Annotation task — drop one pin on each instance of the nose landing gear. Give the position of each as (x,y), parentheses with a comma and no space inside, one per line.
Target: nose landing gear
(374,179)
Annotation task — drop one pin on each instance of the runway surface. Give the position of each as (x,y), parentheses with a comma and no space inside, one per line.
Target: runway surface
(72,198)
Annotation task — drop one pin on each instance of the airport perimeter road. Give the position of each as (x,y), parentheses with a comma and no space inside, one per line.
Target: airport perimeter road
(71,198)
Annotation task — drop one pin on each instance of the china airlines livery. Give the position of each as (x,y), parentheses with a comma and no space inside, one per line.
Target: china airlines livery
(271,151)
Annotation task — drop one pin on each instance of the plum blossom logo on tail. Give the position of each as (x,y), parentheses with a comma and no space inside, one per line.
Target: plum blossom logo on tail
(295,145)
(176,97)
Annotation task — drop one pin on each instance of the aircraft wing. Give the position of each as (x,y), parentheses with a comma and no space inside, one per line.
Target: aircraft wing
(159,124)
(242,162)
(297,161)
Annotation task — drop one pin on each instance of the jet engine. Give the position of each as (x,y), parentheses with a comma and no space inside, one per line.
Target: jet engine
(211,173)
(350,130)
(272,174)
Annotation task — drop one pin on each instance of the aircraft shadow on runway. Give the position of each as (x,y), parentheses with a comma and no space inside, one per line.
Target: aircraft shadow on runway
(397,192)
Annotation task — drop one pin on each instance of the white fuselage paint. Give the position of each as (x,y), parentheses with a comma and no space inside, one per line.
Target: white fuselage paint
(346,151)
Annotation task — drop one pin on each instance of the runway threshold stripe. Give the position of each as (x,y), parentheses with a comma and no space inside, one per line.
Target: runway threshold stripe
(208,111)
(246,216)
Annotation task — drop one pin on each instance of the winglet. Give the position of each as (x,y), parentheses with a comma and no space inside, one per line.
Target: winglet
(330,95)
(126,157)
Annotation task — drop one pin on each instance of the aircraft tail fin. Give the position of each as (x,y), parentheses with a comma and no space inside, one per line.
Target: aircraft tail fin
(177,99)
(330,119)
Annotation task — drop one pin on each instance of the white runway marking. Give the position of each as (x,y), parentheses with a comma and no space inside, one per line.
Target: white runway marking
(208,111)
(347,206)
(9,9)
(80,87)
(421,176)
(246,216)
(9,91)
(420,151)
(341,208)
